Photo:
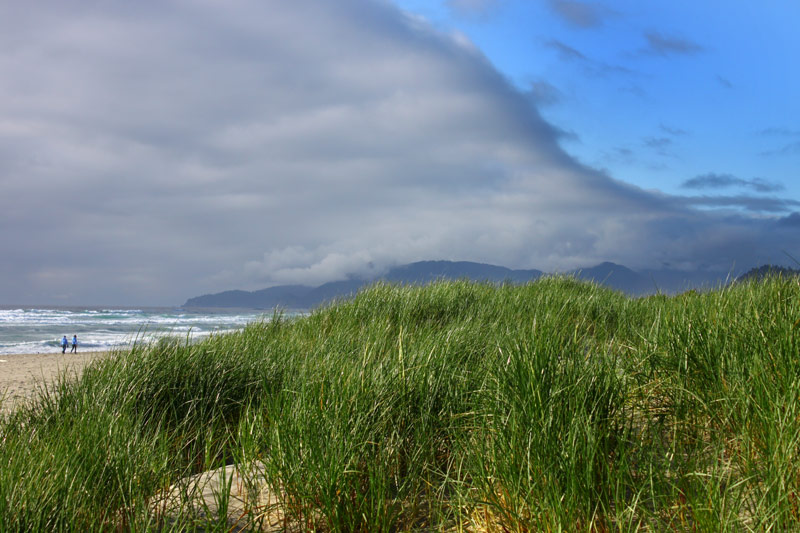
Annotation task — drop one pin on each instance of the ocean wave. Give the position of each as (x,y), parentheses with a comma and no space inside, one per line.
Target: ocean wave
(37,330)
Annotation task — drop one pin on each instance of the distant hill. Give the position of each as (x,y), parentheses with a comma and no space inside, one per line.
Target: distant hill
(651,281)
(612,275)
(767,270)
(286,296)
(427,271)
(304,297)
(617,277)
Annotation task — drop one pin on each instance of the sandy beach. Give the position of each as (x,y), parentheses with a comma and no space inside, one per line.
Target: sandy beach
(20,373)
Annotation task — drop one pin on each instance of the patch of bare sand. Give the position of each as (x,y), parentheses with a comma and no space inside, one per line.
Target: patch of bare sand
(20,374)
(241,501)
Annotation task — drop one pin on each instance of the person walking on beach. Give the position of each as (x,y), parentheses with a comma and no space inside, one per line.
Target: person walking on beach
(74,344)
(64,344)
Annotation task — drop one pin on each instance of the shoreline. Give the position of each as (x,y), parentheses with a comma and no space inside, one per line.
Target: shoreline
(22,373)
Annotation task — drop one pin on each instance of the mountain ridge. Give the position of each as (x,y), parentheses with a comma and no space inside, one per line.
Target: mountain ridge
(612,275)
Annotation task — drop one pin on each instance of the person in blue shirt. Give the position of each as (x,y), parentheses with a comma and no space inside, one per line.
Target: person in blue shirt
(64,344)
(74,344)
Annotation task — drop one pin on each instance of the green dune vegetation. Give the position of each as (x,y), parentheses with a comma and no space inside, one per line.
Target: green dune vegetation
(553,406)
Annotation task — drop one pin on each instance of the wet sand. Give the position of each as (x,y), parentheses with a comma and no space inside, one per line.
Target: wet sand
(20,373)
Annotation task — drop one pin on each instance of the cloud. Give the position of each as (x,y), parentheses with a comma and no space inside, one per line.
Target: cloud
(155,151)
(581,14)
(724,82)
(660,44)
(721,181)
(592,67)
(790,221)
(656,142)
(660,145)
(473,8)
(792,148)
(780,132)
(787,149)
(675,132)
(566,52)
(544,93)
(757,204)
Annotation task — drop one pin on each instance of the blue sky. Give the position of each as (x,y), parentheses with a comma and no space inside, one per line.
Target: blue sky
(156,150)
(655,93)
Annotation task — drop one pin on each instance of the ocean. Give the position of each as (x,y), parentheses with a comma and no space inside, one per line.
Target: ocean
(39,330)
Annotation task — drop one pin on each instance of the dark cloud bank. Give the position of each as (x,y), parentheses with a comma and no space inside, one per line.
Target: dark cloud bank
(151,151)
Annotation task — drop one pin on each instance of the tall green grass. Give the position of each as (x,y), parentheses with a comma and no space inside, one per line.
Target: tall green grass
(553,406)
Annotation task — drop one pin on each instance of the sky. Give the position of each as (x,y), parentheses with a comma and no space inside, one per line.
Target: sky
(155,151)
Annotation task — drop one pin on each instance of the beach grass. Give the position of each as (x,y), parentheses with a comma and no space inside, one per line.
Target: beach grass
(553,406)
